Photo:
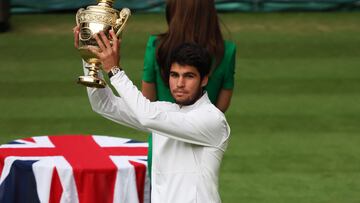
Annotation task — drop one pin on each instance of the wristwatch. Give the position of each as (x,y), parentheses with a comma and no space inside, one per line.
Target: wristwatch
(114,70)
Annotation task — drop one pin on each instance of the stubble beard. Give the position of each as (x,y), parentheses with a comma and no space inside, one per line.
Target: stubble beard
(191,100)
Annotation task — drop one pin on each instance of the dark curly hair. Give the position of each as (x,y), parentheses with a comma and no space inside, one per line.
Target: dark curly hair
(191,54)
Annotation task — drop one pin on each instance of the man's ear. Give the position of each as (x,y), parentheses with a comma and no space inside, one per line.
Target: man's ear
(204,81)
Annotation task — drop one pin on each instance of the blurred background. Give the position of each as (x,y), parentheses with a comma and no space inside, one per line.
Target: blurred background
(295,112)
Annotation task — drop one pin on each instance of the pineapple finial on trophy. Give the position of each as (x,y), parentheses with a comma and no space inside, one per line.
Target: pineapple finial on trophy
(109,3)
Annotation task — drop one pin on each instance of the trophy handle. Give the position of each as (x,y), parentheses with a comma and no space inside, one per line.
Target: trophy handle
(78,15)
(121,21)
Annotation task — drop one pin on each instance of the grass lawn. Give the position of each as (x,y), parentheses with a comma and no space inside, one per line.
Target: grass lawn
(295,113)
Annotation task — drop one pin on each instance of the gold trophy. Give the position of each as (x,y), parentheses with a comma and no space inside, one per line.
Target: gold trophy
(92,20)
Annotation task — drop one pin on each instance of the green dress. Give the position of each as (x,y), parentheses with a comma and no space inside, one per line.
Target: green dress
(221,78)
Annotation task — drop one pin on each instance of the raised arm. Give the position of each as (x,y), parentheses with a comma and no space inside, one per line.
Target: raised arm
(203,126)
(104,102)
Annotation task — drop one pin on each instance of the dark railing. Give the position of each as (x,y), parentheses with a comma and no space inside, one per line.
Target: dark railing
(222,5)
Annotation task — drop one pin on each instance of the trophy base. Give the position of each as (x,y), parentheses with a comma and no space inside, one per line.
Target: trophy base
(91,81)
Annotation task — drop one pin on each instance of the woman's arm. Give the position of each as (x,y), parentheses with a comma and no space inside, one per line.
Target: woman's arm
(224,99)
(225,94)
(148,86)
(148,89)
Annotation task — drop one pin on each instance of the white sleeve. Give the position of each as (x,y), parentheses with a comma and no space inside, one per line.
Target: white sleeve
(200,126)
(104,102)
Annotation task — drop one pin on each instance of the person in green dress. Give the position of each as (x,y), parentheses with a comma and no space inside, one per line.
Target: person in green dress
(195,22)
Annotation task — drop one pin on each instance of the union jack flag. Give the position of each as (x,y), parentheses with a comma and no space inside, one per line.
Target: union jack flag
(74,169)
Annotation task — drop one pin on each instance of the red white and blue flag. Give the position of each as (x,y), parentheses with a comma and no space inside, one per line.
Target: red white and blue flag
(74,169)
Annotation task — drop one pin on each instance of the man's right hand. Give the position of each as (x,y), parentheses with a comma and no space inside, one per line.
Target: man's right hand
(108,53)
(76,31)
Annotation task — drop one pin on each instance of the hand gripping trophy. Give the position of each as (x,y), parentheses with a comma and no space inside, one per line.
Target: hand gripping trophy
(92,20)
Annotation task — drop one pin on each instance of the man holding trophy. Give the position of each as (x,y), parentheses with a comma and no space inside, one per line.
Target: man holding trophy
(189,136)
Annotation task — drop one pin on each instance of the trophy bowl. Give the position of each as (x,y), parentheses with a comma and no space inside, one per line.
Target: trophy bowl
(92,20)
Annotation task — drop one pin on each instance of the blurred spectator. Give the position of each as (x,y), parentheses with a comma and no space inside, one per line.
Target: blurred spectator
(4,15)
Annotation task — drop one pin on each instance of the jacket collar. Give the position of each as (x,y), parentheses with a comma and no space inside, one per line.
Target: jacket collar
(202,100)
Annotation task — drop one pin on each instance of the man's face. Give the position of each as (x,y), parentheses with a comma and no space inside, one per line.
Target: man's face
(185,84)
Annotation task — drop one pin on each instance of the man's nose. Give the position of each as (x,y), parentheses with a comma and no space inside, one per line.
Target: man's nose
(180,82)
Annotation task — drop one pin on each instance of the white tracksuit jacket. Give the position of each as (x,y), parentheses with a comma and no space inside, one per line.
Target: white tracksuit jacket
(188,141)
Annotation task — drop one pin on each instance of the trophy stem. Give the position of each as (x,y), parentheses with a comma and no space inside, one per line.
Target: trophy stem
(92,79)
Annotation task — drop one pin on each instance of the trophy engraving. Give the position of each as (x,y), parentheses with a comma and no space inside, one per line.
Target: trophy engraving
(92,20)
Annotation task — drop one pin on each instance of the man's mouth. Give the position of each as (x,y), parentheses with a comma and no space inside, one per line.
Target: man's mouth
(180,95)
(179,92)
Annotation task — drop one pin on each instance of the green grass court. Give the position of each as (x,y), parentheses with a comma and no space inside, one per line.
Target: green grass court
(295,114)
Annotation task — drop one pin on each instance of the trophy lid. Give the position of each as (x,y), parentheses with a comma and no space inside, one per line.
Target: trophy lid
(103,6)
